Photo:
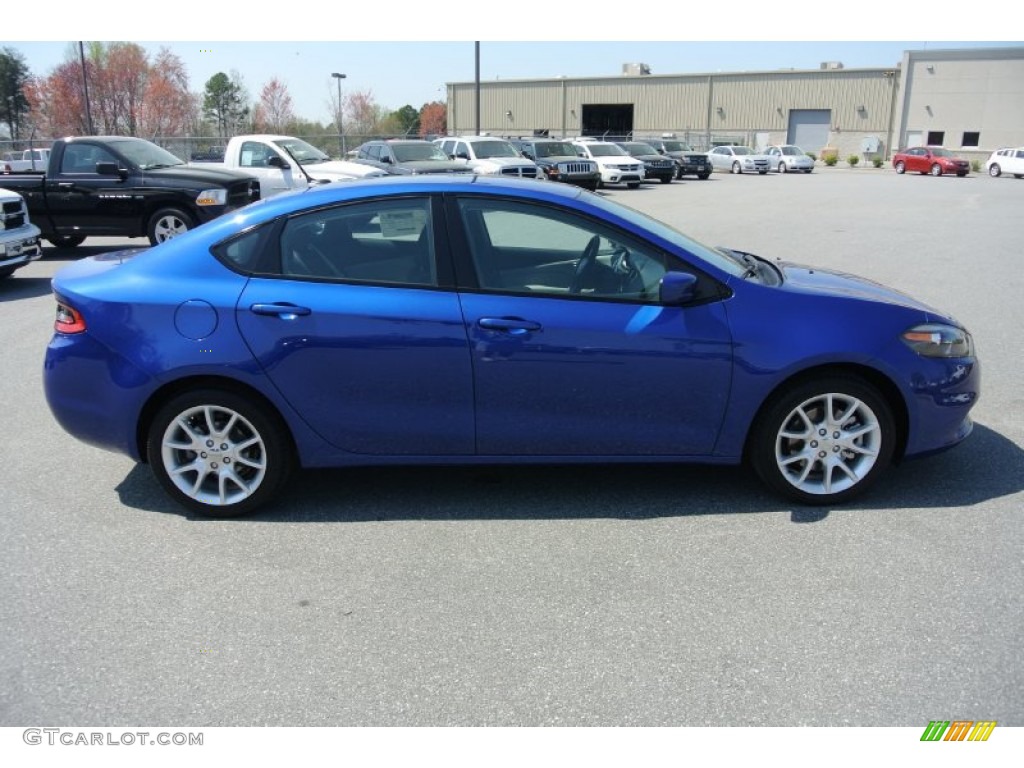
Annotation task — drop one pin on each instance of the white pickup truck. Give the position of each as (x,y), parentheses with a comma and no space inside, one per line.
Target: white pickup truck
(19,239)
(26,160)
(283,163)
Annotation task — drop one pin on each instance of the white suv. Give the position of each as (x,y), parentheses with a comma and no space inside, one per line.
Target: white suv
(617,167)
(489,155)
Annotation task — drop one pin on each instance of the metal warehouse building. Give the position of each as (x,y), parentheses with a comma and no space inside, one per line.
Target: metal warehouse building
(971,100)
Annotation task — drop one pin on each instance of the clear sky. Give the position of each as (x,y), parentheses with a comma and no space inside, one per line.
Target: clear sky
(413,67)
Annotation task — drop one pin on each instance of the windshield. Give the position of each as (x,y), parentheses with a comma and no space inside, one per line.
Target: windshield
(791,150)
(720,259)
(742,151)
(606,150)
(144,154)
(304,153)
(485,149)
(406,153)
(639,148)
(555,149)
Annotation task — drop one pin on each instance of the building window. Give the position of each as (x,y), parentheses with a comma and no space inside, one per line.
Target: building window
(970,139)
(935,138)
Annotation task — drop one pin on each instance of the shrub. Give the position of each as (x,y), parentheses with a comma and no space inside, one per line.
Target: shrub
(877,161)
(853,160)
(831,160)
(812,156)
(976,165)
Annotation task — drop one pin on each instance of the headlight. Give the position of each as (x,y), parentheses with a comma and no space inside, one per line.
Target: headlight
(212,197)
(936,340)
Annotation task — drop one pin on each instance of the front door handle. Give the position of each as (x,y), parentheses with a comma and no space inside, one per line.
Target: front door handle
(283,310)
(514,326)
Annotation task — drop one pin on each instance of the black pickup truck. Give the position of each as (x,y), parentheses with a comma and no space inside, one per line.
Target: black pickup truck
(118,186)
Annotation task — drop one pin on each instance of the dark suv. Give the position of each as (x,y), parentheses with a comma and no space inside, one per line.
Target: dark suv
(558,160)
(656,166)
(689,162)
(405,157)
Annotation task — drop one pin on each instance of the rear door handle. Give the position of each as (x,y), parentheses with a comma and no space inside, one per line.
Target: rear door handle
(514,326)
(283,310)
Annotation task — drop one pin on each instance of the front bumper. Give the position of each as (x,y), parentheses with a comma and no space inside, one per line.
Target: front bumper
(24,248)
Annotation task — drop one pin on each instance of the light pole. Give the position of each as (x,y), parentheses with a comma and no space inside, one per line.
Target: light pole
(341,131)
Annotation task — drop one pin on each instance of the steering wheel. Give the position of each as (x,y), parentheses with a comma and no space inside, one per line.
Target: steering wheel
(585,265)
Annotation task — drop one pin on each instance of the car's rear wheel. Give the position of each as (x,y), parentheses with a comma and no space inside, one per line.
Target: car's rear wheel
(824,441)
(218,453)
(168,223)
(994,170)
(66,241)
(900,167)
(936,169)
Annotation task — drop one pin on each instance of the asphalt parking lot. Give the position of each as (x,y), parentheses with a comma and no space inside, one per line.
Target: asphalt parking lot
(600,596)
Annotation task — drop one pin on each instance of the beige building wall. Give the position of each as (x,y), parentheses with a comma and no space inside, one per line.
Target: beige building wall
(957,92)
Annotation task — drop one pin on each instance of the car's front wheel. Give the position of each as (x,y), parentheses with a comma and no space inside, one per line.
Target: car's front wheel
(824,441)
(782,168)
(900,167)
(168,223)
(218,453)
(736,168)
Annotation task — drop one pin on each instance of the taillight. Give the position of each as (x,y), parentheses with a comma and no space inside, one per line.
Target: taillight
(69,320)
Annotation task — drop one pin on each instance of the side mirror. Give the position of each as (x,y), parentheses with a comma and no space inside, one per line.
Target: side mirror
(386,159)
(677,288)
(109,169)
(276,161)
(462,155)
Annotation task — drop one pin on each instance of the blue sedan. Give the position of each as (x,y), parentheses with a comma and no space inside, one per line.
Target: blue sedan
(452,320)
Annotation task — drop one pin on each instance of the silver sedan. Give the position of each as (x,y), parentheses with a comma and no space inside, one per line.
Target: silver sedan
(738,160)
(788,157)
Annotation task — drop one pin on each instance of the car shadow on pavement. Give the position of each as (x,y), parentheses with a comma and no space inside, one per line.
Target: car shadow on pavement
(18,287)
(986,467)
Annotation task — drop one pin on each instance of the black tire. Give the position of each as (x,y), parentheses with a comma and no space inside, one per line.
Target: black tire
(900,167)
(633,184)
(1018,175)
(168,223)
(936,169)
(736,167)
(666,179)
(704,176)
(809,170)
(994,170)
(762,173)
(791,456)
(219,474)
(66,241)
(6,272)
(961,174)
(783,168)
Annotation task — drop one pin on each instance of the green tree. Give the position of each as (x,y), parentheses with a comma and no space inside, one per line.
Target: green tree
(224,102)
(14,76)
(407,120)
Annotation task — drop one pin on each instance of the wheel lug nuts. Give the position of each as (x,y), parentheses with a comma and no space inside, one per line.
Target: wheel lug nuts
(228,461)
(835,449)
(224,446)
(814,443)
(835,435)
(209,443)
(214,465)
(203,454)
(821,455)
(822,432)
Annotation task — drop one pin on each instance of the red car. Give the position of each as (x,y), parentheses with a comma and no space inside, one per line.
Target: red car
(933,160)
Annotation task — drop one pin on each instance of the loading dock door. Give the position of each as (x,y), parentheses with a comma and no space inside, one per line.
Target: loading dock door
(809,128)
(614,121)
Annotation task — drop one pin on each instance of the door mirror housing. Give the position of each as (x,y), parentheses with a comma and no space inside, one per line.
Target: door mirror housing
(110,169)
(677,288)
(276,161)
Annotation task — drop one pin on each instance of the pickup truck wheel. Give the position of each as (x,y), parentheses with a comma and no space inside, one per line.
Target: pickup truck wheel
(6,272)
(167,223)
(66,241)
